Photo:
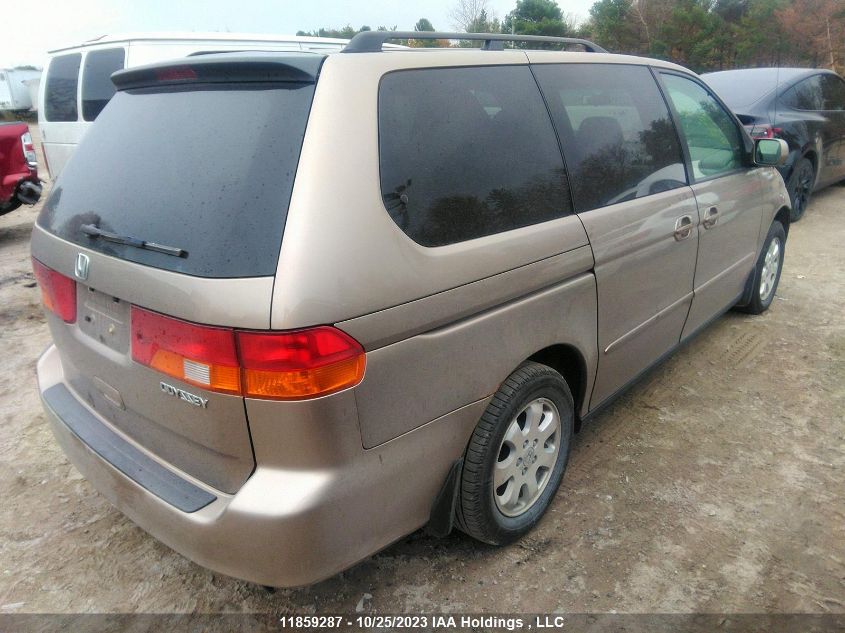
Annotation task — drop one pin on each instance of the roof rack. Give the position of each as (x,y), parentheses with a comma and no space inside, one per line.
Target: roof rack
(372,41)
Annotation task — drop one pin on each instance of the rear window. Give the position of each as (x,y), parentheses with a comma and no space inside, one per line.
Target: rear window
(97,87)
(207,168)
(742,88)
(60,91)
(468,152)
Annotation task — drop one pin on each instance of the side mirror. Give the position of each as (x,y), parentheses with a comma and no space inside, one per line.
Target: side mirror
(770,151)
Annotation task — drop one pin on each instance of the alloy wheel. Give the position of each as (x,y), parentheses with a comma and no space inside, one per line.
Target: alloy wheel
(527,457)
(802,189)
(771,265)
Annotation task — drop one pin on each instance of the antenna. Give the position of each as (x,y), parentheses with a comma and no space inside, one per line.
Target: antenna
(777,92)
(777,96)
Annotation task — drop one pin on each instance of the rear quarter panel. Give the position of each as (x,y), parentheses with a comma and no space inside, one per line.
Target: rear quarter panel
(424,376)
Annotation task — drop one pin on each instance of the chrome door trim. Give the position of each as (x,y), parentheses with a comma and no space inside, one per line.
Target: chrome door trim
(647,322)
(727,271)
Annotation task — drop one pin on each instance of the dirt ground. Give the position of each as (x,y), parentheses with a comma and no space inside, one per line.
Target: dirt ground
(715,485)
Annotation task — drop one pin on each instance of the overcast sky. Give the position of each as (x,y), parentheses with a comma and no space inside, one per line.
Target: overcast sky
(49,24)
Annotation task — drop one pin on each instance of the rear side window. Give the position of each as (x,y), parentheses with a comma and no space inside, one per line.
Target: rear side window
(805,95)
(618,138)
(467,152)
(712,135)
(97,87)
(204,168)
(833,93)
(61,88)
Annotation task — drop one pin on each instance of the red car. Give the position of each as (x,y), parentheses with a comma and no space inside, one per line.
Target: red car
(19,183)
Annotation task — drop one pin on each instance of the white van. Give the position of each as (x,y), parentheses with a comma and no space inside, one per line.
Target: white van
(77,83)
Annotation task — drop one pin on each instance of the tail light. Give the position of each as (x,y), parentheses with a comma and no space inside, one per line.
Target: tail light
(299,364)
(763,130)
(29,149)
(271,365)
(176,73)
(58,293)
(203,356)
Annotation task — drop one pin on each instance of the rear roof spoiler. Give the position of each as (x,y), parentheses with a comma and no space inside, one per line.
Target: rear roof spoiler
(372,41)
(224,68)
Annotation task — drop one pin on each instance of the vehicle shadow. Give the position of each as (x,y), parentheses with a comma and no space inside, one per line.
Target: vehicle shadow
(15,233)
(384,573)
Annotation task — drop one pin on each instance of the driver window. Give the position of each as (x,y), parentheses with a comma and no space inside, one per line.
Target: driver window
(714,141)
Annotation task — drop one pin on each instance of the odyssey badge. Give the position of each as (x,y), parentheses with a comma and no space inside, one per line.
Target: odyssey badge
(187,396)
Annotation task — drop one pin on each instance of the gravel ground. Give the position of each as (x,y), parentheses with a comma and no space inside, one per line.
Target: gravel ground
(714,485)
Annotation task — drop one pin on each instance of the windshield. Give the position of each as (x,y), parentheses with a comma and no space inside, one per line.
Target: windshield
(206,169)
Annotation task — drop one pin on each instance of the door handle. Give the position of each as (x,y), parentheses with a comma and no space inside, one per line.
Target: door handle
(711,217)
(683,227)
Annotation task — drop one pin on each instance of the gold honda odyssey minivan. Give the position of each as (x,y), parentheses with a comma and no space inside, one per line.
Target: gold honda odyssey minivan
(305,304)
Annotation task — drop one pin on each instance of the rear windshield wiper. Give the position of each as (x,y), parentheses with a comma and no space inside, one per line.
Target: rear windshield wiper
(95,231)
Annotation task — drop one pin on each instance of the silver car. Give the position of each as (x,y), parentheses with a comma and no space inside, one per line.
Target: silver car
(304,304)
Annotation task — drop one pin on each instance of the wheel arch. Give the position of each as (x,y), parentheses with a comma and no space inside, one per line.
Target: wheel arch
(781,216)
(811,156)
(796,154)
(568,361)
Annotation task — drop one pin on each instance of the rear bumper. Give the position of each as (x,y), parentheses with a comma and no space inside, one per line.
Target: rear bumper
(284,527)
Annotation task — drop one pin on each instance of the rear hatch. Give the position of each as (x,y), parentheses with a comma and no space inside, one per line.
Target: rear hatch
(174,206)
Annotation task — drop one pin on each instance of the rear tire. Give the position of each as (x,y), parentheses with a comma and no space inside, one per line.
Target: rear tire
(800,188)
(517,455)
(767,271)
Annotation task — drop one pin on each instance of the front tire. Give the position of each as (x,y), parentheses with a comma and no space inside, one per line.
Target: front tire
(517,455)
(800,188)
(767,271)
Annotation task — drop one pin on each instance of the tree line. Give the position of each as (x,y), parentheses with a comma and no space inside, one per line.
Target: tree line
(700,34)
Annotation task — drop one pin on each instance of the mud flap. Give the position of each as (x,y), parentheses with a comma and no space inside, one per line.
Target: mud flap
(443,510)
(748,291)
